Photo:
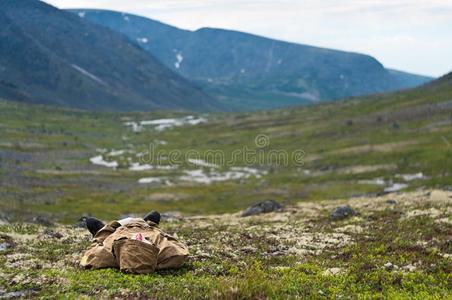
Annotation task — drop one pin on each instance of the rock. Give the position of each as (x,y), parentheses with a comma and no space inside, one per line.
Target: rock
(395,125)
(342,212)
(81,223)
(6,242)
(53,234)
(382,193)
(390,201)
(349,123)
(112,200)
(263,207)
(4,246)
(40,220)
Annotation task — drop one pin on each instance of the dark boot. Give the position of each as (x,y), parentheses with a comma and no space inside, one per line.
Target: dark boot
(153,216)
(94,225)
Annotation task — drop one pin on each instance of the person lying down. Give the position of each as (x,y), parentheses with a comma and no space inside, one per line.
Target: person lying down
(133,245)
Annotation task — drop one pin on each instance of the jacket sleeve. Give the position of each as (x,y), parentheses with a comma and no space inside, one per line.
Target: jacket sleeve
(172,254)
(108,229)
(97,256)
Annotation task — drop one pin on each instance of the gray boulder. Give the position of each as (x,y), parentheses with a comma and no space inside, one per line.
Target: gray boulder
(6,242)
(54,234)
(342,212)
(263,207)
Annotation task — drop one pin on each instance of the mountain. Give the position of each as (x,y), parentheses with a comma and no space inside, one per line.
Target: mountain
(50,56)
(246,71)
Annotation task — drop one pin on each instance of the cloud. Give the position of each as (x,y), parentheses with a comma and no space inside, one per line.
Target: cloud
(404,34)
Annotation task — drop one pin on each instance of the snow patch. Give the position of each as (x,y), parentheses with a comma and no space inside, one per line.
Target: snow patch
(150,180)
(135,126)
(201,163)
(81,14)
(138,167)
(410,177)
(163,124)
(99,160)
(126,18)
(161,142)
(395,187)
(142,40)
(179,58)
(214,176)
(119,152)
(242,71)
(88,74)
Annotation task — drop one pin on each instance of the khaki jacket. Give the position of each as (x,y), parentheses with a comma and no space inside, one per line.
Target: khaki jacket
(112,247)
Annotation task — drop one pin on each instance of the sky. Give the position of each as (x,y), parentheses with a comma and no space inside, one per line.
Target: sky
(408,35)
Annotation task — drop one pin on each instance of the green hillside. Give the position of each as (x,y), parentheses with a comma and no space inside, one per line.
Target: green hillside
(344,148)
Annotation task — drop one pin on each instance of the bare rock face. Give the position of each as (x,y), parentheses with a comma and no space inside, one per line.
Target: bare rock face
(342,212)
(263,207)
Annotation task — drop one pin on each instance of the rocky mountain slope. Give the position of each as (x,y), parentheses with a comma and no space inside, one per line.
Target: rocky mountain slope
(50,56)
(246,71)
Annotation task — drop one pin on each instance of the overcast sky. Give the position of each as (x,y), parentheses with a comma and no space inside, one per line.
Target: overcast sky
(409,35)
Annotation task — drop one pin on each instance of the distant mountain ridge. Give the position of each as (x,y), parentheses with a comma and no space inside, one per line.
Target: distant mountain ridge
(247,71)
(50,56)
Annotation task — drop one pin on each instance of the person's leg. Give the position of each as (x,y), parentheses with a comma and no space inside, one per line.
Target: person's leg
(94,225)
(153,216)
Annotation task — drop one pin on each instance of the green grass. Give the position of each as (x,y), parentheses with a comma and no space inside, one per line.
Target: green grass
(297,252)
(46,150)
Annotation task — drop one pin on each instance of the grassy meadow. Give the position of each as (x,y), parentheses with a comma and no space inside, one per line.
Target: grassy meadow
(387,156)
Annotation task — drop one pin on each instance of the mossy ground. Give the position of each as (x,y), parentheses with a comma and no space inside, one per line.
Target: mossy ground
(397,251)
(401,250)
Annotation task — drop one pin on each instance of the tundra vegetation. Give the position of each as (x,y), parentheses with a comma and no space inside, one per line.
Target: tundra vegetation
(398,249)
(359,151)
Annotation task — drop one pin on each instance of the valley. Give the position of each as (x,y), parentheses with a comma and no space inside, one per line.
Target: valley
(63,163)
